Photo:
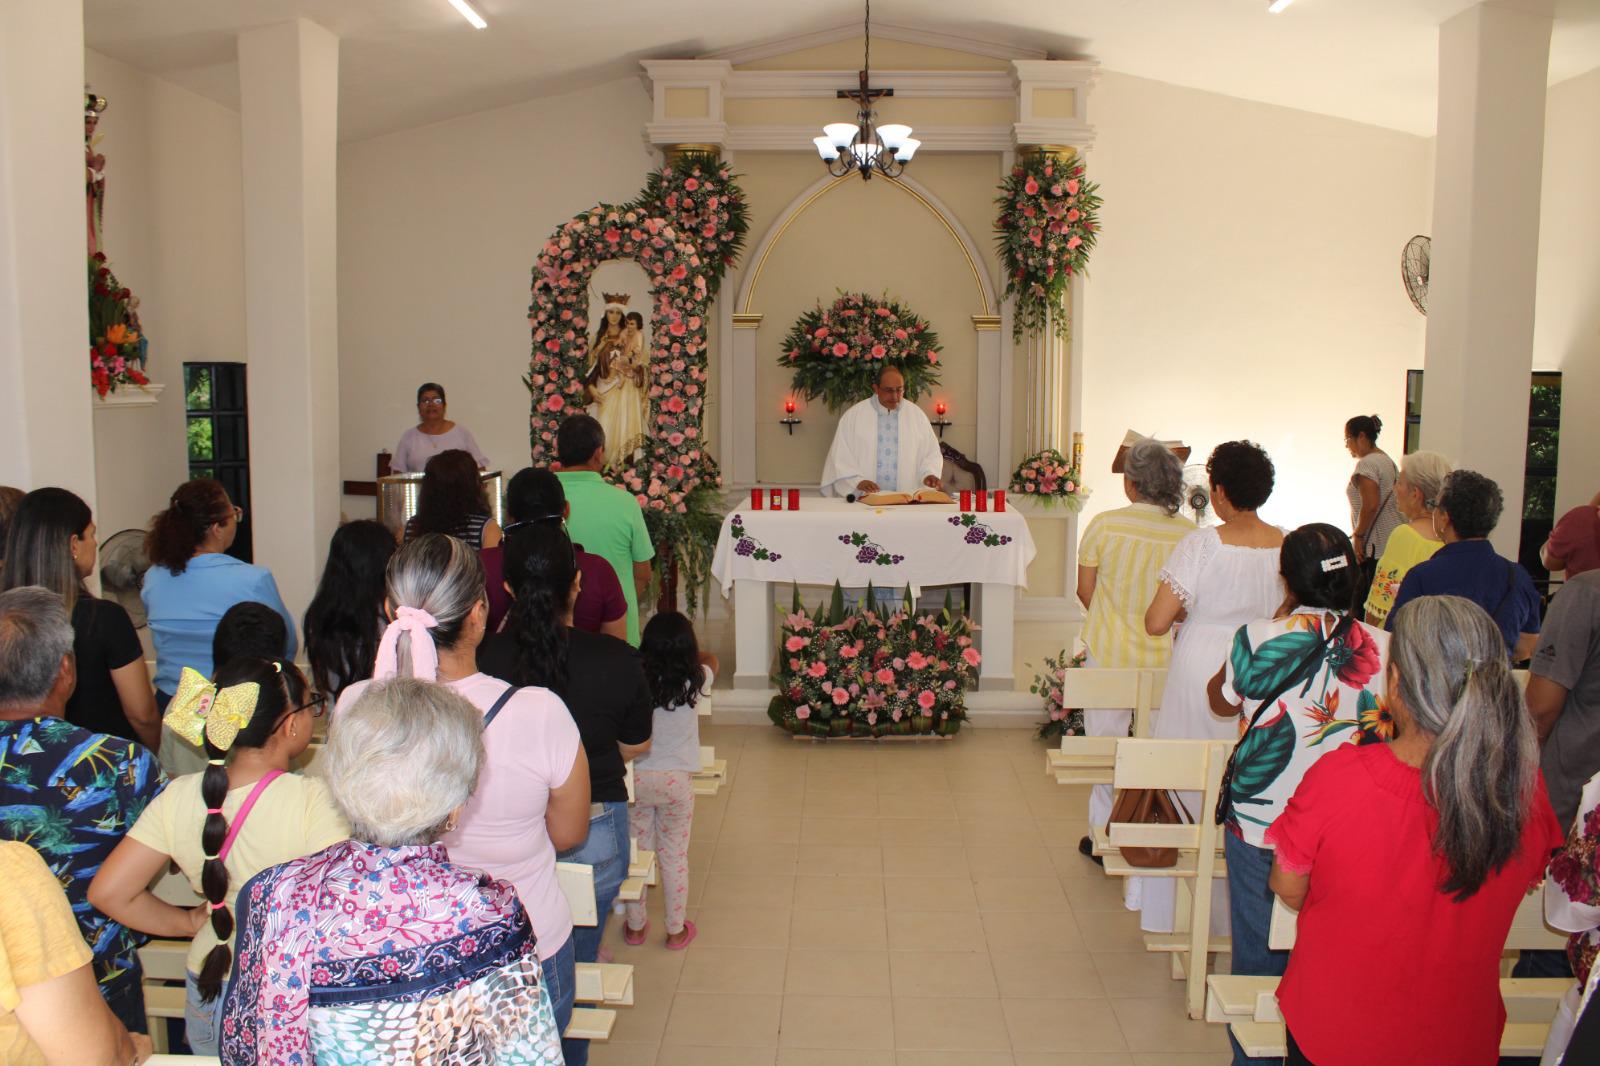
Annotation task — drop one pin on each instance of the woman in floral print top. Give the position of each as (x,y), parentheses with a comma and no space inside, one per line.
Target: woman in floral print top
(1323,672)
(1572,904)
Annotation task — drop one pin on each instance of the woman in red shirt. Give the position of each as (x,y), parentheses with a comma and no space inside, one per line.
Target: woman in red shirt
(1407,860)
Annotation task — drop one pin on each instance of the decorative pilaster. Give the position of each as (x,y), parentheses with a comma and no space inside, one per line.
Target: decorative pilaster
(1052,121)
(687,105)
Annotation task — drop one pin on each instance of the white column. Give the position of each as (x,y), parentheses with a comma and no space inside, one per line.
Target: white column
(289,96)
(44,304)
(994,396)
(1493,62)
(738,456)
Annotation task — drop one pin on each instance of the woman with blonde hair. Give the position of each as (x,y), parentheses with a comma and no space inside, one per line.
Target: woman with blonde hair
(1417,494)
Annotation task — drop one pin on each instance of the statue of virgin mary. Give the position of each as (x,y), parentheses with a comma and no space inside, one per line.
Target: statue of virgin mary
(614,384)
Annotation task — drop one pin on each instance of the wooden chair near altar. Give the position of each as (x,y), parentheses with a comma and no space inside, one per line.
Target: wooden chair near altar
(960,472)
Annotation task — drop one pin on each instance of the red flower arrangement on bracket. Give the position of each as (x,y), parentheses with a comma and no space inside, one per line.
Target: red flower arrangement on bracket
(684,230)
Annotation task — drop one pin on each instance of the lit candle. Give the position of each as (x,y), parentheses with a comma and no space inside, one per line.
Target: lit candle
(788,407)
(940,408)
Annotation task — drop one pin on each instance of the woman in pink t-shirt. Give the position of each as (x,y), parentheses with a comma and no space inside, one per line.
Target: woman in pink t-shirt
(533,795)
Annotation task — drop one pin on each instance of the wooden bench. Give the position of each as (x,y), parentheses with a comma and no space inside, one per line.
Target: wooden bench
(1179,766)
(165,964)
(599,987)
(1088,760)
(1249,1005)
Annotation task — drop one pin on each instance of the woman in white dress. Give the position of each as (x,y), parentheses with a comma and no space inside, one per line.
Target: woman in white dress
(1216,580)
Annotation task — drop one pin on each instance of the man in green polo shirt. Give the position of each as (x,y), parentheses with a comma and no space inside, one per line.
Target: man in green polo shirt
(605,519)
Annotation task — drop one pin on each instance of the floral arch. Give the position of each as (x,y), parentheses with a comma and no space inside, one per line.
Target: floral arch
(684,230)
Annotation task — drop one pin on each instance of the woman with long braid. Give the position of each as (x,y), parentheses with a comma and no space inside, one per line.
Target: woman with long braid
(243,813)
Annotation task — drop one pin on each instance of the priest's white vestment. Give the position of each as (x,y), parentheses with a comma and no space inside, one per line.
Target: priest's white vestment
(853,457)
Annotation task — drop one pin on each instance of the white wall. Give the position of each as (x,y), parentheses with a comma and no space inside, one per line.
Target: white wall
(1247,284)
(174,234)
(438,227)
(1566,334)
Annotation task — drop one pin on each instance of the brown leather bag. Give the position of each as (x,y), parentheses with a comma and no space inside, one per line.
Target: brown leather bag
(1149,806)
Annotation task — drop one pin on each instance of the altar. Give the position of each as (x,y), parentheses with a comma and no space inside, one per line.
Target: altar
(830,540)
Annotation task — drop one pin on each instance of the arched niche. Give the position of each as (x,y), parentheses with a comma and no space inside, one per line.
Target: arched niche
(843,233)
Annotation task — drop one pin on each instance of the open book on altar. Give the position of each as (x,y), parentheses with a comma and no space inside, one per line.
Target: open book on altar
(898,499)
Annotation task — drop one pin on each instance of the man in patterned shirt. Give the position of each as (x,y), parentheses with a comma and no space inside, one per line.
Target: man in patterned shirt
(68,793)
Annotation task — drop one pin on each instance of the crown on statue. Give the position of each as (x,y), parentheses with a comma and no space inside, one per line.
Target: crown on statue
(620,298)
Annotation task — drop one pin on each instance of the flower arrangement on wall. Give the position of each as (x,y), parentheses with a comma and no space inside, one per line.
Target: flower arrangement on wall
(837,352)
(1048,223)
(1050,478)
(117,348)
(685,229)
(865,673)
(1060,720)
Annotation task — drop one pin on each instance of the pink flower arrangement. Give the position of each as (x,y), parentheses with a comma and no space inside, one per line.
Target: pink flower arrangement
(684,230)
(1046,229)
(864,673)
(1050,478)
(1060,720)
(837,351)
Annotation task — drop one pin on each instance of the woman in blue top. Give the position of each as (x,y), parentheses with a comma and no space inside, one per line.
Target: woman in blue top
(193,582)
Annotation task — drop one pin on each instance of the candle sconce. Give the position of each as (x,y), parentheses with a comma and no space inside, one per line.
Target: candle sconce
(941,409)
(789,421)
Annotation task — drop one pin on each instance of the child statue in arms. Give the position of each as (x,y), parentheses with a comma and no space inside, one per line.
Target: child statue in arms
(614,387)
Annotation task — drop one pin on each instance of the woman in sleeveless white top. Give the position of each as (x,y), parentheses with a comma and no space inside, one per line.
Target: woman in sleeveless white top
(1221,587)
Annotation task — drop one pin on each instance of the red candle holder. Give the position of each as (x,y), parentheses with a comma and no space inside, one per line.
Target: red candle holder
(983,500)
(776,502)
(758,499)
(794,499)
(999,499)
(966,499)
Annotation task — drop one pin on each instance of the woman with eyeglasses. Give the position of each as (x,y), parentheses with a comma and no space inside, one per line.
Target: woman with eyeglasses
(433,433)
(193,582)
(537,496)
(244,813)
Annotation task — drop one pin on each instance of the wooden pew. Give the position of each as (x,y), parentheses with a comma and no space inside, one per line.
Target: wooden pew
(601,987)
(1249,1005)
(165,971)
(1088,760)
(1186,766)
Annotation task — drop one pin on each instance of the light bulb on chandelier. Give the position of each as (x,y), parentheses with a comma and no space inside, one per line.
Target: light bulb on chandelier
(861,145)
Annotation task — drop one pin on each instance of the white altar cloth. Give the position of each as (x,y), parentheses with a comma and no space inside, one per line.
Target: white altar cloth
(830,540)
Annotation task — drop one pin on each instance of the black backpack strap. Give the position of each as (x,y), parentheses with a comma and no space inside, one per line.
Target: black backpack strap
(499,704)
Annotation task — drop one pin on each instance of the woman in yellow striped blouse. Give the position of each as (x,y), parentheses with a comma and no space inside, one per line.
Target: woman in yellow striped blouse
(1119,557)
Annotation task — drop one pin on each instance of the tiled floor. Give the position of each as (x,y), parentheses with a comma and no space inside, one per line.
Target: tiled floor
(899,904)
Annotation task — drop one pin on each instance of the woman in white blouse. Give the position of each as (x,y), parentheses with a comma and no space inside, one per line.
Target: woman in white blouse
(433,433)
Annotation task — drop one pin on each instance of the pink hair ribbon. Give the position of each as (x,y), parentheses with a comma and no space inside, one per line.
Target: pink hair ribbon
(424,656)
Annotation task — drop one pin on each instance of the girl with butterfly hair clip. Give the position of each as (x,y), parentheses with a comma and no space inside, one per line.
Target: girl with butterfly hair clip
(244,813)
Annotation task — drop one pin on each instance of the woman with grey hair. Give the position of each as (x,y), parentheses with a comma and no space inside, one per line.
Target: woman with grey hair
(1407,860)
(1417,494)
(535,795)
(380,948)
(1119,558)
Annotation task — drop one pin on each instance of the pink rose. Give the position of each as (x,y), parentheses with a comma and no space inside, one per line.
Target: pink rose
(802,712)
(555,403)
(840,697)
(926,700)
(692,184)
(1031,187)
(1072,187)
(933,357)
(879,351)
(794,664)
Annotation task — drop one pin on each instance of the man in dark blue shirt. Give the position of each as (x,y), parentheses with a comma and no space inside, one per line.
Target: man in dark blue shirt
(1468,566)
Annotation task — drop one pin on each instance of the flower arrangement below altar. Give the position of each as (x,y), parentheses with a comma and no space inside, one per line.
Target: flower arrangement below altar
(1050,478)
(863,673)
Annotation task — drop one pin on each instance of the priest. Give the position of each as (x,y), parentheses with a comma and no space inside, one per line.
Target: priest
(883,444)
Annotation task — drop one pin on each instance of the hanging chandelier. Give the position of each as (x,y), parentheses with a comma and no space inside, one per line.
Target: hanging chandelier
(862,145)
